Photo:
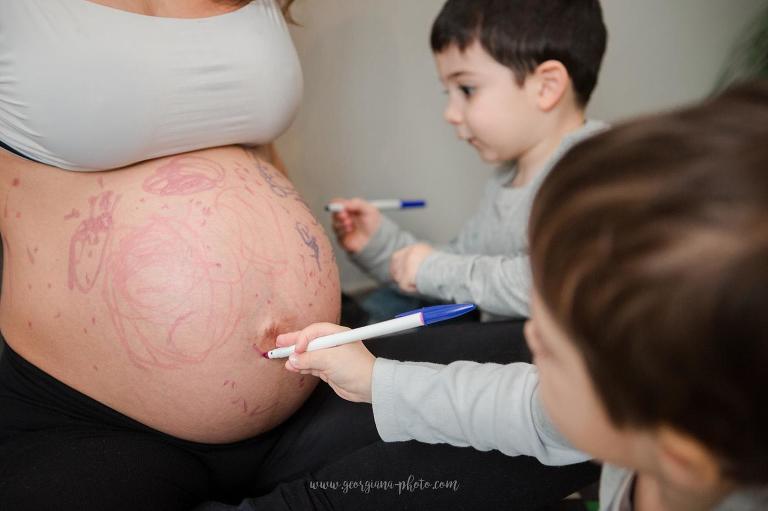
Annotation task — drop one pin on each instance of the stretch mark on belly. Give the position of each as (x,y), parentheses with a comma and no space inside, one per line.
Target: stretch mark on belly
(89,242)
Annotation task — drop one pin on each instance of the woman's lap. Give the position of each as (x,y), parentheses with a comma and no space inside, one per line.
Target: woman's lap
(59,449)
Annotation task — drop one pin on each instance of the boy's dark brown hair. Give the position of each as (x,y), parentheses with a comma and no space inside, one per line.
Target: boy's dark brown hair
(649,245)
(521,34)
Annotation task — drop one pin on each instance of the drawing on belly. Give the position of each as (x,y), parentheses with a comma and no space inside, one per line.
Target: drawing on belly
(184,175)
(31,255)
(281,190)
(178,282)
(175,289)
(88,244)
(169,306)
(284,189)
(246,224)
(244,174)
(242,403)
(310,241)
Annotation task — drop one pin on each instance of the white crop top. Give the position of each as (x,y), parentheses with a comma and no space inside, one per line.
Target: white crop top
(88,87)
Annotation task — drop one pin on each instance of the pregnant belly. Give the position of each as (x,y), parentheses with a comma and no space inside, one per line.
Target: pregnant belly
(156,288)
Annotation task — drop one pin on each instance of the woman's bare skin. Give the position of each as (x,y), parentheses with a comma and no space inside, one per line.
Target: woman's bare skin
(156,288)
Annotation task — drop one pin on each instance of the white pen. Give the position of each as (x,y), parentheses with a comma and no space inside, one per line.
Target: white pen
(336,207)
(406,321)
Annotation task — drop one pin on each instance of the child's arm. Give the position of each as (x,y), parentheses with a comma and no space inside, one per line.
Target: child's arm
(405,264)
(496,284)
(487,406)
(462,270)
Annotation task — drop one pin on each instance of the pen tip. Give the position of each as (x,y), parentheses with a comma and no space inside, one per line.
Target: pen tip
(265,355)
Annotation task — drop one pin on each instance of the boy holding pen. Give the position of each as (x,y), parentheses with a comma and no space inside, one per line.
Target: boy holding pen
(519,76)
(648,328)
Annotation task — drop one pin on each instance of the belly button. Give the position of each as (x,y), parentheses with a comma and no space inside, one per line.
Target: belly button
(265,340)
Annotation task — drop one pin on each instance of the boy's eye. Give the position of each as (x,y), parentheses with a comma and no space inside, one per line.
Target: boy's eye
(467,90)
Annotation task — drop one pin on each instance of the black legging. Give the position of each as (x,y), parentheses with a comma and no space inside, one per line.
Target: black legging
(61,450)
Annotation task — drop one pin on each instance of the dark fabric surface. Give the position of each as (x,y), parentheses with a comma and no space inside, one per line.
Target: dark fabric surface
(61,450)
(384,476)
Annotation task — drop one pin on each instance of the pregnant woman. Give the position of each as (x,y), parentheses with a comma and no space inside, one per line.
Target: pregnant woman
(151,251)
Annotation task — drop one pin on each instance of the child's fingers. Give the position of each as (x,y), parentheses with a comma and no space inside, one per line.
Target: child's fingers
(308,363)
(341,216)
(342,224)
(313,332)
(315,363)
(290,366)
(358,206)
(338,228)
(302,337)
(348,369)
(287,339)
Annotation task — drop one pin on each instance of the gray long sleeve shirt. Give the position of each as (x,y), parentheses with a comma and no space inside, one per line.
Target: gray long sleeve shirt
(487,263)
(492,406)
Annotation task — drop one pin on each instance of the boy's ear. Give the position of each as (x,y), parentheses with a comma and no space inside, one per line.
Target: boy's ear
(551,81)
(686,461)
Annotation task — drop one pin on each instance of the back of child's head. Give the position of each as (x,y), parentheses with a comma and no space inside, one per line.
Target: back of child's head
(649,247)
(521,34)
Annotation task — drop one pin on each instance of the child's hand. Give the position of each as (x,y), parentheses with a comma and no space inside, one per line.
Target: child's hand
(356,224)
(348,369)
(405,264)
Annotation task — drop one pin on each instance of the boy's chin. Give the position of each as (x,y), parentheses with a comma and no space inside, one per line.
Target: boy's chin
(490,158)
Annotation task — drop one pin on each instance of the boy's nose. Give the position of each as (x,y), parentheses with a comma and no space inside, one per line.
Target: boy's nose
(452,115)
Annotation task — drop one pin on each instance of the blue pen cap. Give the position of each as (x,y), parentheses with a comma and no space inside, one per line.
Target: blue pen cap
(412,203)
(438,313)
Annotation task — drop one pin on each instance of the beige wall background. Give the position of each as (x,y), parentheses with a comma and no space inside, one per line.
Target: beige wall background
(371,122)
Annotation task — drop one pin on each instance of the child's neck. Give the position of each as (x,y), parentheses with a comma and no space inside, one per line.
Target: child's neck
(652,494)
(532,161)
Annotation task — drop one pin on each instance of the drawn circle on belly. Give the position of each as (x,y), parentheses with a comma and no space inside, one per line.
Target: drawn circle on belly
(167,309)
(184,175)
(175,286)
(252,221)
